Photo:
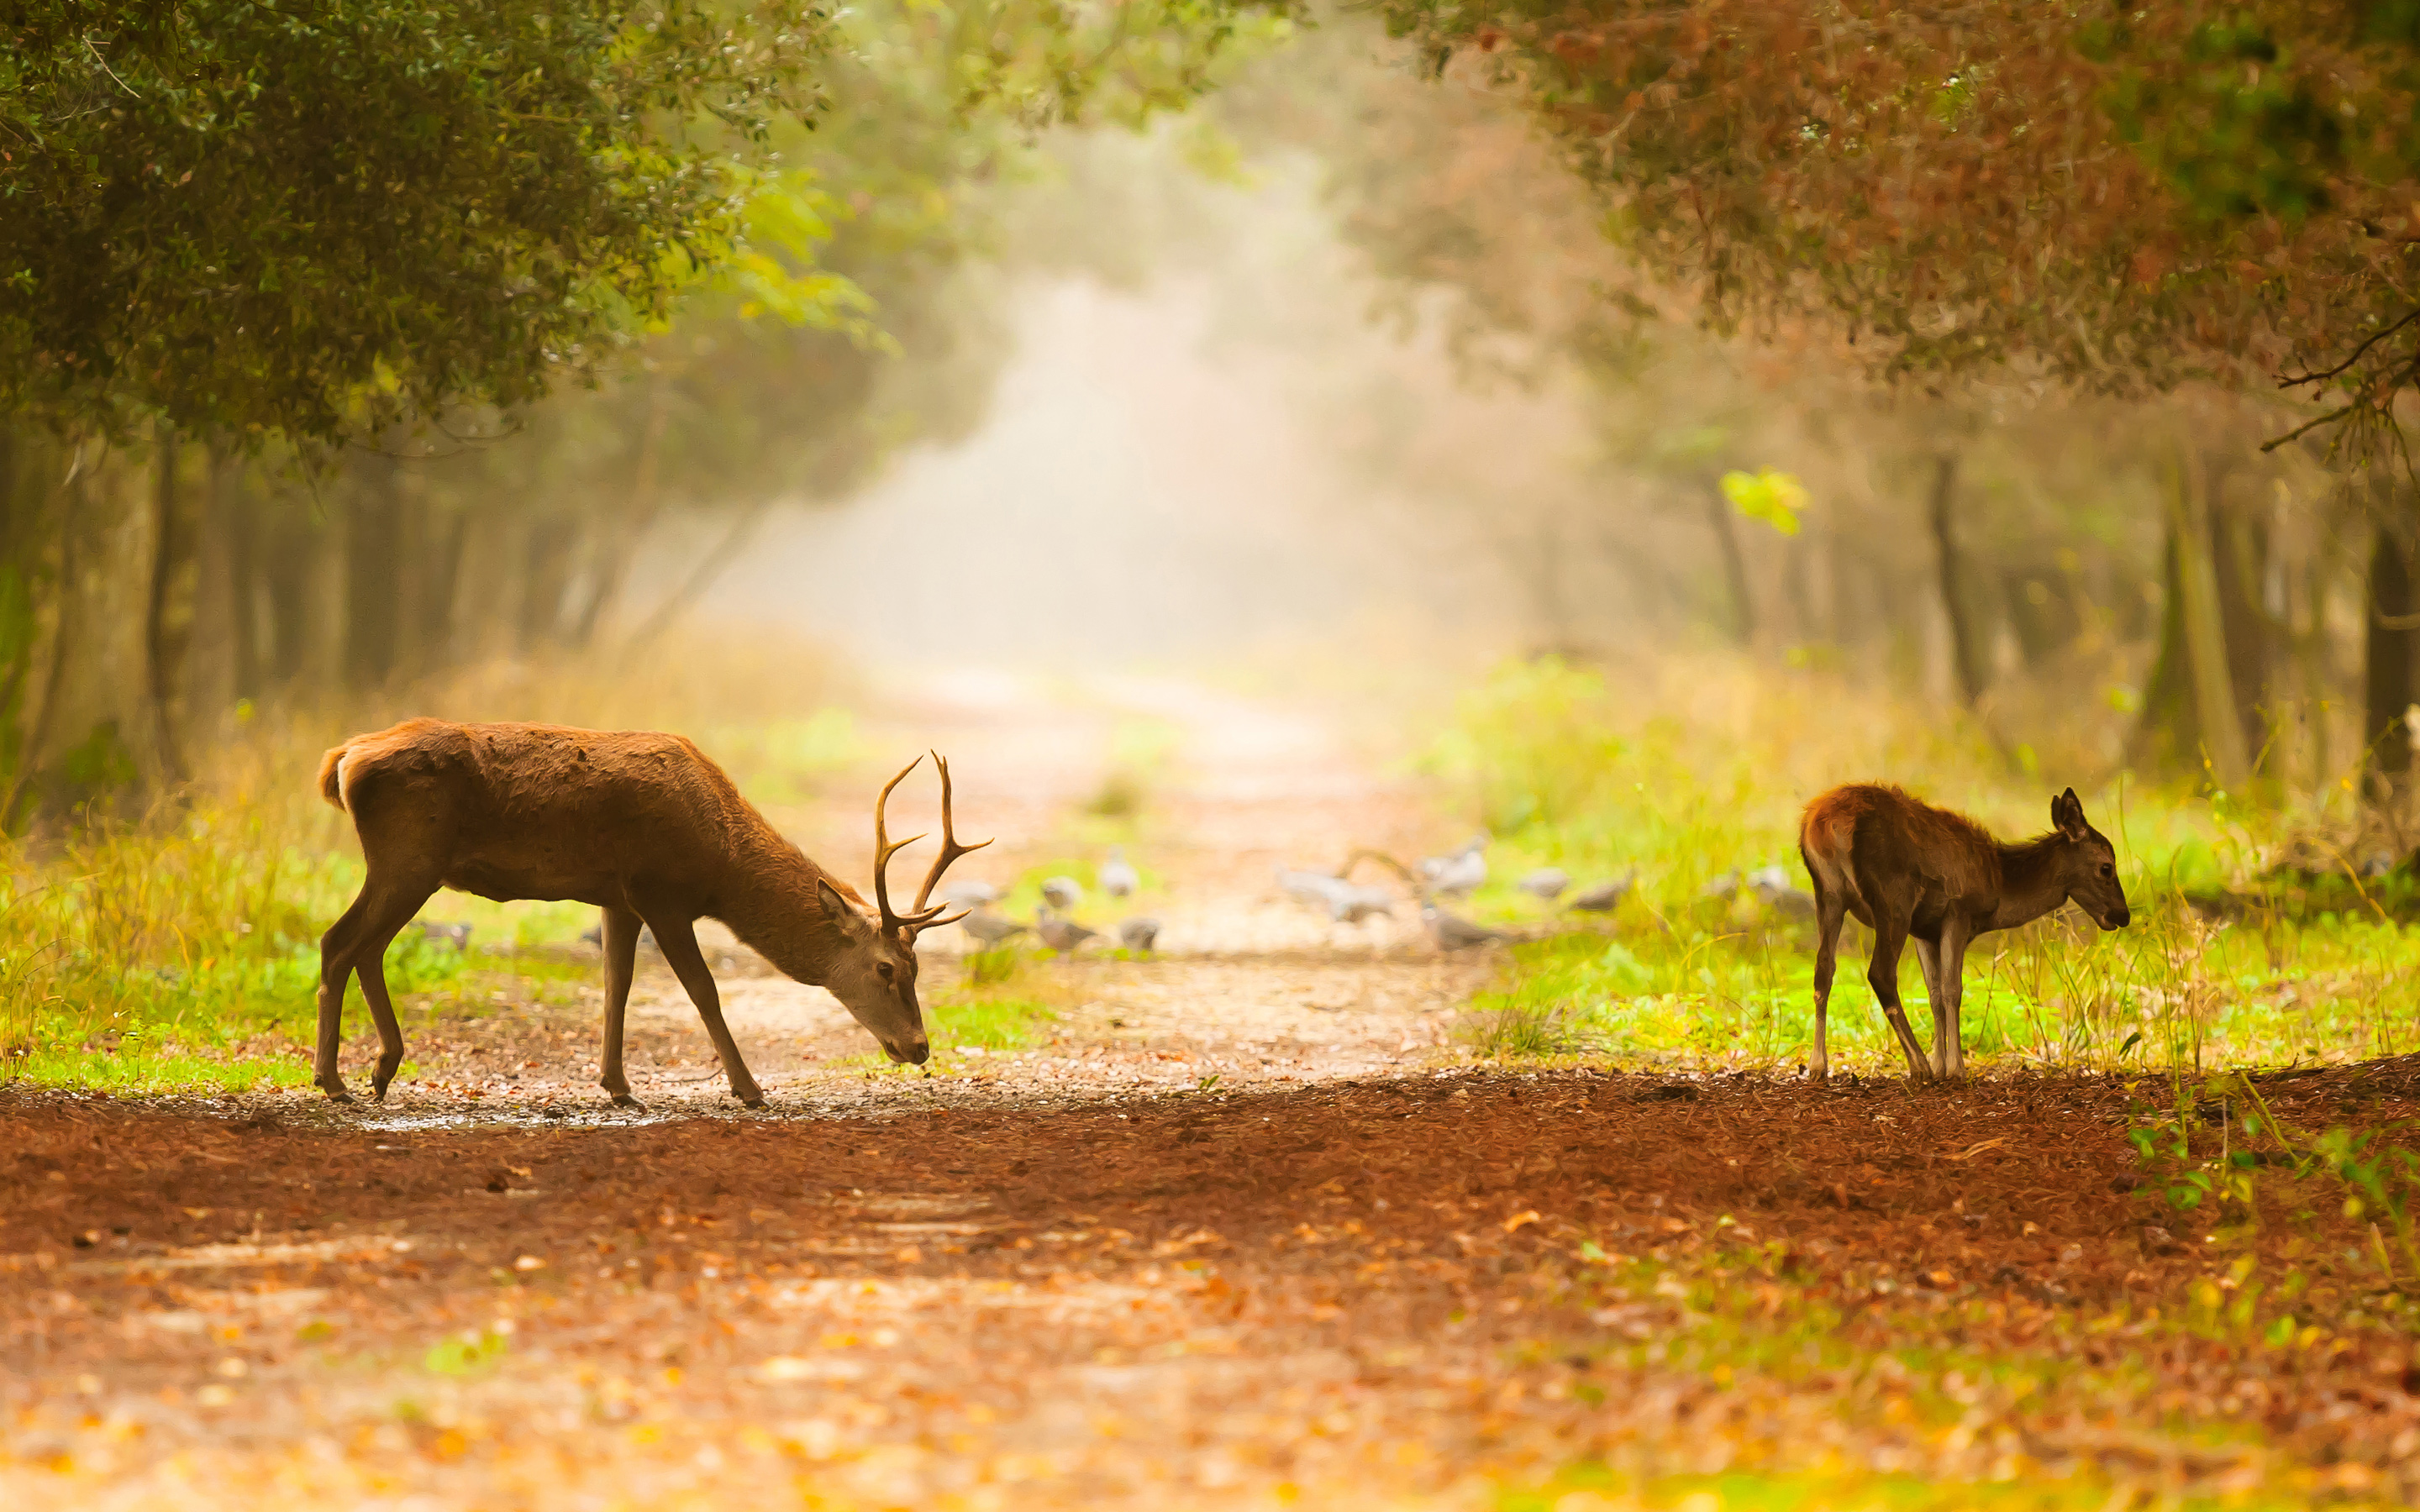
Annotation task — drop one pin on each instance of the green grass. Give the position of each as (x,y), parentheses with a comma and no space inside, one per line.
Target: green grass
(1568,773)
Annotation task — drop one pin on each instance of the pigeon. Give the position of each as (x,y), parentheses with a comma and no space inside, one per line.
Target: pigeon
(1606,896)
(1546,883)
(988,929)
(968,892)
(1459,873)
(1312,889)
(1723,889)
(1451,932)
(1349,904)
(1773,889)
(1138,934)
(1063,893)
(459,936)
(1061,935)
(1116,876)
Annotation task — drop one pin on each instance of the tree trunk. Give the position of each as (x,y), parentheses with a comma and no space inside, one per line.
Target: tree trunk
(373,576)
(700,577)
(610,568)
(2391,642)
(1726,528)
(546,574)
(2166,731)
(168,610)
(235,509)
(2238,554)
(443,540)
(1965,646)
(2204,629)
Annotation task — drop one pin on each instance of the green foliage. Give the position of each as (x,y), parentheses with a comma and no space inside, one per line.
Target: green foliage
(2217,1167)
(320,218)
(1534,743)
(2237,130)
(1573,770)
(1767,495)
(473,1354)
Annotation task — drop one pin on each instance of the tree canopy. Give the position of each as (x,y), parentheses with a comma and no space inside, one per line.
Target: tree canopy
(2121,196)
(307,216)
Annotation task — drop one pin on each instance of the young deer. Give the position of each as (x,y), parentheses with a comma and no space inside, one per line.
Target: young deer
(642,826)
(1907,869)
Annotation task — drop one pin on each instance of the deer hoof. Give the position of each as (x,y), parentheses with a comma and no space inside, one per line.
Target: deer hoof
(336,1091)
(624,1100)
(755,1100)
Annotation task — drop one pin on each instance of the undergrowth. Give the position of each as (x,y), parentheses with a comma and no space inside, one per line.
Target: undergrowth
(1694,782)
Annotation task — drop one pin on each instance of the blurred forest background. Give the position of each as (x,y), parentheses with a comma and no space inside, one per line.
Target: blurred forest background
(1437,334)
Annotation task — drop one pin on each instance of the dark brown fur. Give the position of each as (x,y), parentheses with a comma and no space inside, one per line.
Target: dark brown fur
(640,824)
(1910,871)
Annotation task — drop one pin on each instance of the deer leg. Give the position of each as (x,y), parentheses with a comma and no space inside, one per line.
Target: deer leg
(1830,909)
(1928,957)
(678,942)
(1890,934)
(621,934)
(369,964)
(1954,940)
(337,950)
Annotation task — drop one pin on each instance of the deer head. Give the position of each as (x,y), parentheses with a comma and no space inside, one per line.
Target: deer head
(2088,864)
(875,976)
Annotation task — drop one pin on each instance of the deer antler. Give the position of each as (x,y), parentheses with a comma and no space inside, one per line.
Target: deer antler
(951,851)
(918,917)
(884,848)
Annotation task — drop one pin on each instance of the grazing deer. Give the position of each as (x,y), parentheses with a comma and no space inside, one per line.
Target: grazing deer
(642,826)
(1909,870)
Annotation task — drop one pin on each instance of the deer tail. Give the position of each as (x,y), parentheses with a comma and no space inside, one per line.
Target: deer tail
(332,775)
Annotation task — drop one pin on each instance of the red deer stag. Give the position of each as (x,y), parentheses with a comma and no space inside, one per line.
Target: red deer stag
(1909,870)
(642,826)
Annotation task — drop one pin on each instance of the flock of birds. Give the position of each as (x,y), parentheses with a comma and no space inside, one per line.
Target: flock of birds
(1054,922)
(1461,872)
(1456,874)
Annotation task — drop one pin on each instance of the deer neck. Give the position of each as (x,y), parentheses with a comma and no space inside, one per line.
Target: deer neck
(772,902)
(2030,884)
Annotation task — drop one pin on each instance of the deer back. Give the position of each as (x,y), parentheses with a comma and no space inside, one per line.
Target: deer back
(548,810)
(1874,833)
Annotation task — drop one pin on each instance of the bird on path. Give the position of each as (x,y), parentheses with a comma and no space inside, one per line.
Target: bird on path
(971,892)
(1117,877)
(1451,932)
(988,929)
(1061,934)
(1773,889)
(1349,904)
(1606,896)
(1063,893)
(1312,889)
(1546,883)
(1138,934)
(1460,872)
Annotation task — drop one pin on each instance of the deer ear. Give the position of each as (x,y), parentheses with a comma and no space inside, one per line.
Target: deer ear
(2067,815)
(836,907)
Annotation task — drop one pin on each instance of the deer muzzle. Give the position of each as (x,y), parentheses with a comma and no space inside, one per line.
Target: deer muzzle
(911,1053)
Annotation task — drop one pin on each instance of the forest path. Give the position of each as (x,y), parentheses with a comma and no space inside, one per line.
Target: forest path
(1235,1236)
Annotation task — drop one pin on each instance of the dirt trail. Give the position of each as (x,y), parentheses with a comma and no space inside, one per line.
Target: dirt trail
(1341,1273)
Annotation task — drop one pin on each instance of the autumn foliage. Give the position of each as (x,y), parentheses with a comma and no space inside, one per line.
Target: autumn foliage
(2126,198)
